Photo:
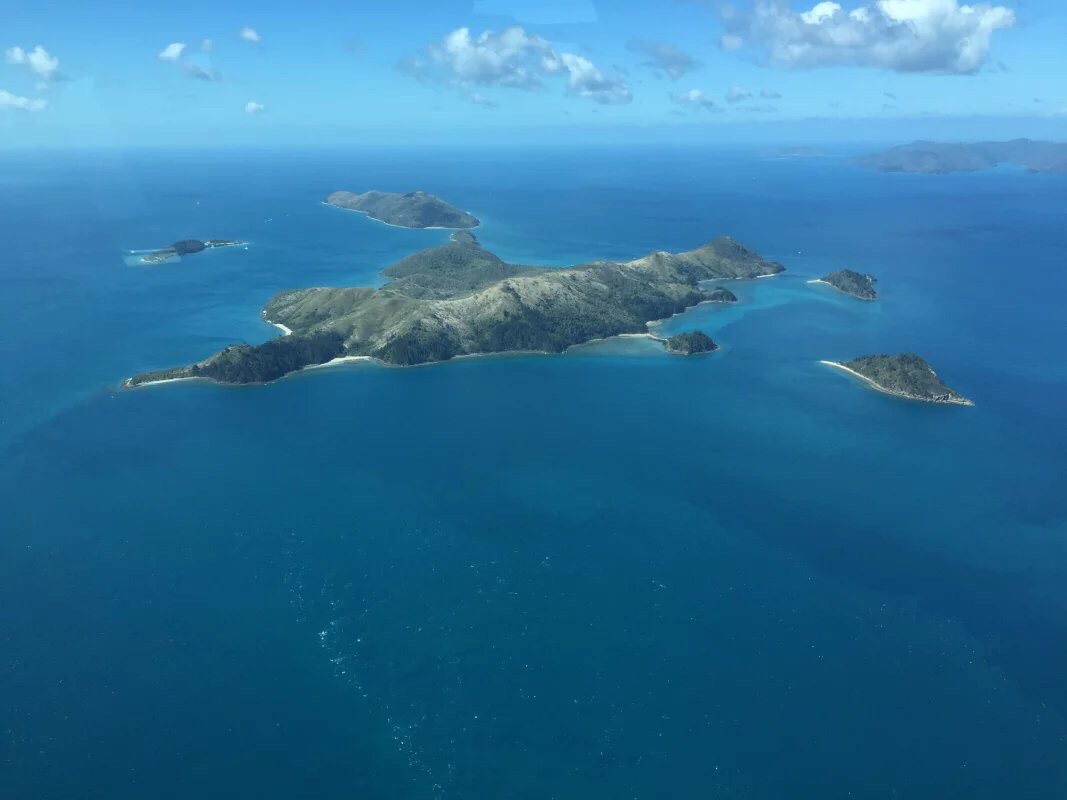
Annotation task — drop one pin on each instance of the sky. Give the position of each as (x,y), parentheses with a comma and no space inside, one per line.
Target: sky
(245,73)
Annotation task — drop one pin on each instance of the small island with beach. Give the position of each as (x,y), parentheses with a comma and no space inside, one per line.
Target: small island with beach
(411,210)
(854,284)
(459,299)
(906,375)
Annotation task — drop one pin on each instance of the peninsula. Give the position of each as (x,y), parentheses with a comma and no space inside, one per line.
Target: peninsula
(691,343)
(854,284)
(943,158)
(412,210)
(906,375)
(459,299)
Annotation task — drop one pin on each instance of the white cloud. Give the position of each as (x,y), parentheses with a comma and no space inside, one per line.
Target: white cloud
(730,41)
(515,59)
(8,100)
(252,107)
(664,57)
(737,94)
(38,60)
(250,35)
(696,98)
(585,80)
(770,94)
(207,46)
(900,35)
(172,52)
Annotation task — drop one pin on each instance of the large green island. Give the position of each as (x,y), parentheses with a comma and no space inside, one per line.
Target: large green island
(411,210)
(906,375)
(459,299)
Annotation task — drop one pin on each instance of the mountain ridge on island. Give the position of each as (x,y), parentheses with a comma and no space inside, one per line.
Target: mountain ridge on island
(905,375)
(412,210)
(459,299)
(944,158)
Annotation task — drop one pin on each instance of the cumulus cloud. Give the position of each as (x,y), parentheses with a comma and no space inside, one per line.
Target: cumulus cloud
(513,59)
(695,98)
(172,52)
(38,60)
(940,36)
(770,94)
(585,80)
(13,101)
(664,57)
(252,107)
(737,94)
(250,35)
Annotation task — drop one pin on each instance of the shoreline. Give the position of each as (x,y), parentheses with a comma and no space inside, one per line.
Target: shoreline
(892,392)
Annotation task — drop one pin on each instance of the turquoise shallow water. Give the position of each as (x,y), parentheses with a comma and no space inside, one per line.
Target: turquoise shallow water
(611,573)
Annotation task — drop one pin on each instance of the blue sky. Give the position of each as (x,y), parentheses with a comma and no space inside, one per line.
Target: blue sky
(135,73)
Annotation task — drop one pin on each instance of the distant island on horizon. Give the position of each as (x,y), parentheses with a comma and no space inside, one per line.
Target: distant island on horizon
(459,299)
(944,158)
(411,210)
(906,375)
(855,284)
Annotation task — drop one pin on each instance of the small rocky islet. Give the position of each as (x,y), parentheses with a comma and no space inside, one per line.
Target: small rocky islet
(690,343)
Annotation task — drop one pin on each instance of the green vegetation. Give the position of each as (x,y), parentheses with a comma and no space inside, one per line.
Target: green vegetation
(720,295)
(459,299)
(906,375)
(690,343)
(412,210)
(852,283)
(244,363)
(942,158)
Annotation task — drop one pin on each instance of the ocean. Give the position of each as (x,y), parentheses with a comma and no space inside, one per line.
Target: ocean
(611,573)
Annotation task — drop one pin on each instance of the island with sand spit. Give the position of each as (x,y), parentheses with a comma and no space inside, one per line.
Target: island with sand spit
(411,210)
(855,284)
(185,247)
(458,299)
(906,375)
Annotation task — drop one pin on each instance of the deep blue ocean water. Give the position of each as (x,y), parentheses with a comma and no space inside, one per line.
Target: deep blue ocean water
(608,574)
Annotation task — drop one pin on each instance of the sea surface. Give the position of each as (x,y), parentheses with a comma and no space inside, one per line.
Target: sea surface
(612,573)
